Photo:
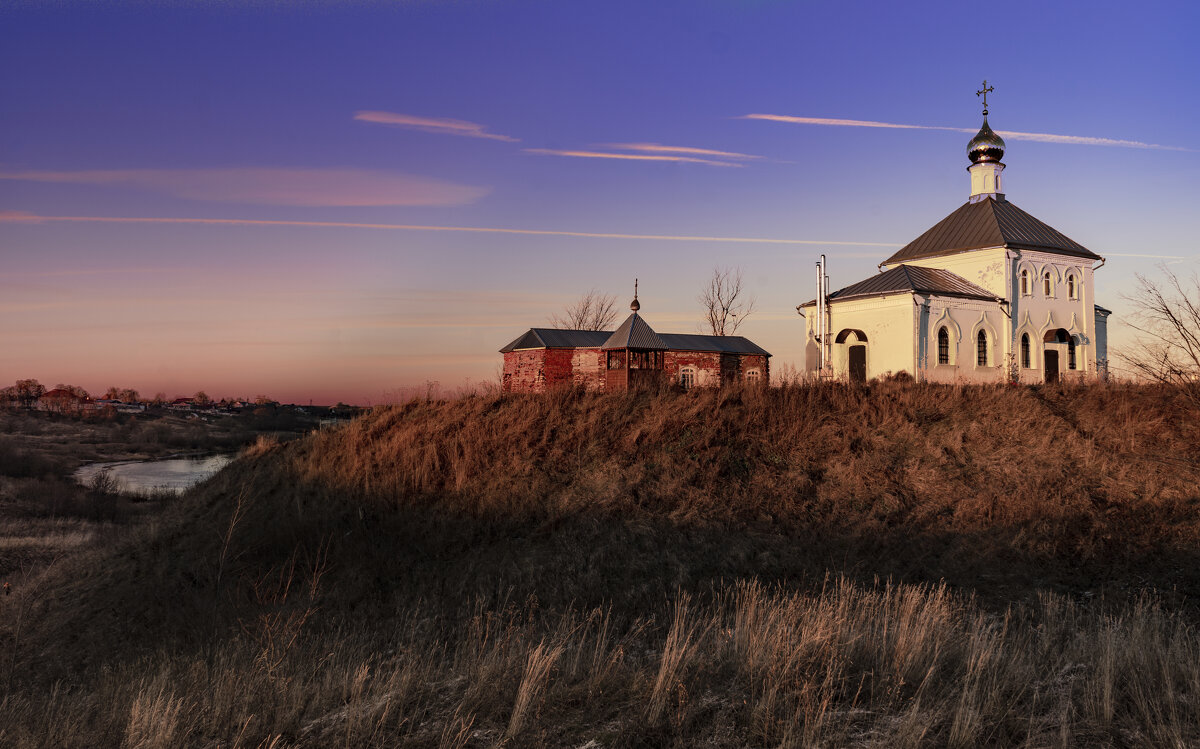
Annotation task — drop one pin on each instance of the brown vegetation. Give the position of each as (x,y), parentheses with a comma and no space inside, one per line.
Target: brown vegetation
(900,565)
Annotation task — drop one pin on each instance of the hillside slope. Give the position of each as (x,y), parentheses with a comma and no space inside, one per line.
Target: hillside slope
(431,514)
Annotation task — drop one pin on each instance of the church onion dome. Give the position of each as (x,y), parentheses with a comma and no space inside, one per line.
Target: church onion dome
(986,145)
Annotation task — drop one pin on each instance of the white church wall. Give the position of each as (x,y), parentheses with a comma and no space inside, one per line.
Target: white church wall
(962,319)
(888,325)
(1036,313)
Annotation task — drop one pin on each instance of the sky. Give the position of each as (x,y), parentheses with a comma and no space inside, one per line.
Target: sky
(344,201)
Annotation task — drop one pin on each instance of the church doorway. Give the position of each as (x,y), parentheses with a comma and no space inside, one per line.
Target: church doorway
(1051,366)
(1056,338)
(858,363)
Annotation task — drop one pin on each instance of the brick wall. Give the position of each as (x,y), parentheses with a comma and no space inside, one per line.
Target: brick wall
(535,370)
(588,367)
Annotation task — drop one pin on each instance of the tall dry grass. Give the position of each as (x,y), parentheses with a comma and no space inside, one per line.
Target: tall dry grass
(886,666)
(653,569)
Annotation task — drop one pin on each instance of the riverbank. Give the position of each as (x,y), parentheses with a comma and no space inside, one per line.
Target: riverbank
(47,515)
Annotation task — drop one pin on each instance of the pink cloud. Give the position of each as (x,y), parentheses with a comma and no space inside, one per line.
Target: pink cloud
(272,186)
(440,126)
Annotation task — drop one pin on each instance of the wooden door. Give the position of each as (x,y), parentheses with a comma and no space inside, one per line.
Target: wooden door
(1051,366)
(858,363)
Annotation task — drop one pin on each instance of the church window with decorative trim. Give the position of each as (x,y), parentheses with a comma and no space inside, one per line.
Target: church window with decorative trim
(1025,358)
(943,346)
(1047,285)
(1071,360)
(1072,291)
(1024,282)
(981,349)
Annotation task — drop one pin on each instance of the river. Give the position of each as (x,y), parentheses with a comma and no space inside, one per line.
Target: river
(145,476)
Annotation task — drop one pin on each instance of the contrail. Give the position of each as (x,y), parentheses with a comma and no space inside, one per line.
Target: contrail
(34,218)
(1078,140)
(13,217)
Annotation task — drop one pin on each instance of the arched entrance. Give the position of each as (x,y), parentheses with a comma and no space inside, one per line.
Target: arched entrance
(856,354)
(1051,349)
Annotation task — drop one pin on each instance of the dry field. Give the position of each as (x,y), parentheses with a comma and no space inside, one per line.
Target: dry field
(801,566)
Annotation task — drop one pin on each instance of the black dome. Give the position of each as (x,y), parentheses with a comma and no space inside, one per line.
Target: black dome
(985,146)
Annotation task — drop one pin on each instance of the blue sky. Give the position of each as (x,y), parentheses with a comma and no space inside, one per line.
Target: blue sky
(463,115)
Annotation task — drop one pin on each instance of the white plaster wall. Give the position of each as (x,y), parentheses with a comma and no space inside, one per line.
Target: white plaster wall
(1035,313)
(888,324)
(962,319)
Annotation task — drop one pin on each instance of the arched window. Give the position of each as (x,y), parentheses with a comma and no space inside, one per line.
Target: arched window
(981,349)
(752,376)
(1071,354)
(1025,350)
(1024,282)
(1071,287)
(687,377)
(943,346)
(1046,284)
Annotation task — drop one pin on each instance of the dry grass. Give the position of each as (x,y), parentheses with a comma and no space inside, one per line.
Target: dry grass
(899,566)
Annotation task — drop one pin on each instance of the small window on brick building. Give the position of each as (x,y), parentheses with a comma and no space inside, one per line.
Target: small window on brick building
(687,377)
(753,376)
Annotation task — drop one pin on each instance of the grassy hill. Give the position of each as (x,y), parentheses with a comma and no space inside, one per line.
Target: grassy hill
(900,565)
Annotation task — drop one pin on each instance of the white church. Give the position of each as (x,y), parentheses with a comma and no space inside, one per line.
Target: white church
(989,294)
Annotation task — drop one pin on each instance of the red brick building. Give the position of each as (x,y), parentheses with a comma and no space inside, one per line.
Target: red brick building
(631,356)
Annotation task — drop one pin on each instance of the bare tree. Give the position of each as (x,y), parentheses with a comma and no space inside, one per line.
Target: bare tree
(725,305)
(1168,317)
(592,311)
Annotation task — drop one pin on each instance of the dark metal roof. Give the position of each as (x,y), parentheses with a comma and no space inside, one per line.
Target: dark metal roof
(634,333)
(908,279)
(1102,310)
(555,338)
(989,223)
(724,344)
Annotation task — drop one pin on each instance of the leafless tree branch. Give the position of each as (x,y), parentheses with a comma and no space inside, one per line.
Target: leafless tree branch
(592,311)
(1167,316)
(724,301)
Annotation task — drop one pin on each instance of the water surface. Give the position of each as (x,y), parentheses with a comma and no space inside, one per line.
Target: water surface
(143,476)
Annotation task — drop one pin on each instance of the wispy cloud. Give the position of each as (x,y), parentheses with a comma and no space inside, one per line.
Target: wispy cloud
(438,125)
(268,186)
(1079,140)
(659,148)
(17,217)
(630,156)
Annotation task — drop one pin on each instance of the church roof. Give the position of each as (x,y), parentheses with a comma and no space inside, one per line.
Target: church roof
(555,338)
(635,333)
(911,278)
(989,223)
(723,344)
(536,338)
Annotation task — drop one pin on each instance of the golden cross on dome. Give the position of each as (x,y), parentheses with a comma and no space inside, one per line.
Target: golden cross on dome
(984,92)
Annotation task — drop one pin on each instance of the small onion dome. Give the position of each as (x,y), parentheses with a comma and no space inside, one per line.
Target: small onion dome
(635,305)
(985,146)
